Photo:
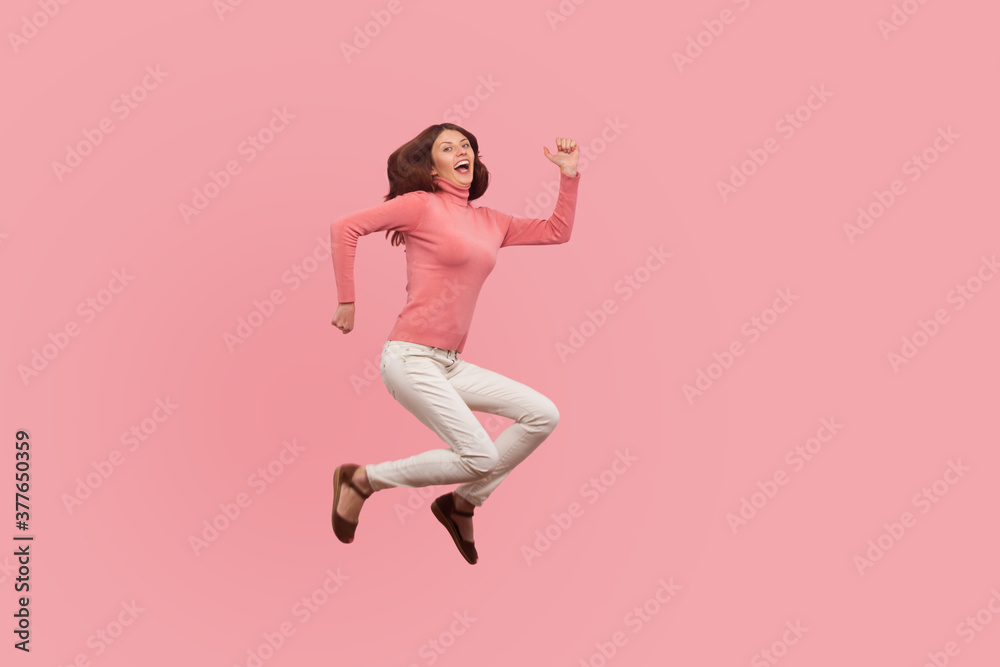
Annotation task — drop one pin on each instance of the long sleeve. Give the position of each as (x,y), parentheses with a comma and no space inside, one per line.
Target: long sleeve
(555,229)
(403,214)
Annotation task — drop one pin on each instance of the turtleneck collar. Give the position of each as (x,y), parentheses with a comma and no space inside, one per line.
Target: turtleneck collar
(452,192)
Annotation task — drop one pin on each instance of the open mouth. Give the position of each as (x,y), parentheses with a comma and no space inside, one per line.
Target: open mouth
(463,167)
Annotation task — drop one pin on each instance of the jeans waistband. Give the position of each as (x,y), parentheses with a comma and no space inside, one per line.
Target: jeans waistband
(451,354)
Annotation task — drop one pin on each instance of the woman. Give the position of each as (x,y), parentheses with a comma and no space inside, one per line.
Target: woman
(450,248)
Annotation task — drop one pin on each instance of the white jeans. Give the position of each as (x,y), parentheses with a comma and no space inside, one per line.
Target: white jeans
(442,390)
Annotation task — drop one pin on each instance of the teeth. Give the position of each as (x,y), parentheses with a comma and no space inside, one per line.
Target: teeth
(463,163)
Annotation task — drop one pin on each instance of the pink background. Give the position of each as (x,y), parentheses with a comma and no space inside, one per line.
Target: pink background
(653,181)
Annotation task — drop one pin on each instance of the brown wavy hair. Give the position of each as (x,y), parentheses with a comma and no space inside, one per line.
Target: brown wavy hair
(409,168)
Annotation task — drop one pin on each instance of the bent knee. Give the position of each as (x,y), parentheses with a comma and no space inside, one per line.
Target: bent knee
(546,415)
(481,461)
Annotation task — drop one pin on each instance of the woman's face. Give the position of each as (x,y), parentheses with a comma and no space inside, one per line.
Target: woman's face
(451,148)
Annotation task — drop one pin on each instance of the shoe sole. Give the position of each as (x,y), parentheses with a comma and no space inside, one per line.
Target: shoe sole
(336,501)
(452,530)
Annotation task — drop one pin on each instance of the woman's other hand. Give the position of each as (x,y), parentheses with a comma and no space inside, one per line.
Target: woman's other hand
(343,319)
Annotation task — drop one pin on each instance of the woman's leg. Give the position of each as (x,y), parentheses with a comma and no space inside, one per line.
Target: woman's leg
(442,391)
(535,416)
(418,377)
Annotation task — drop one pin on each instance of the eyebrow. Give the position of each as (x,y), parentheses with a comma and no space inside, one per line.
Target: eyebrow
(448,142)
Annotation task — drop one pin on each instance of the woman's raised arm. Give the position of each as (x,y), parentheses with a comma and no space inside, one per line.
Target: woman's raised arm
(554,229)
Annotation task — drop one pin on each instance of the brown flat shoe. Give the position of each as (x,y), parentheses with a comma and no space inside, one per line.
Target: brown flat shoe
(443,507)
(343,528)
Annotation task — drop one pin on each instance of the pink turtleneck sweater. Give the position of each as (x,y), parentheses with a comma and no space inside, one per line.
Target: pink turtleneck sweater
(451,247)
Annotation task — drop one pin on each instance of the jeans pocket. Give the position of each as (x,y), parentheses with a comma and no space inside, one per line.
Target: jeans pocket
(393,352)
